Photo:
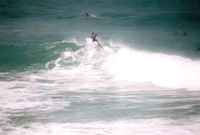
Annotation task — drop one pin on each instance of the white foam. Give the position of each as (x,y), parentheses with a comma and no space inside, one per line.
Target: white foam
(163,70)
(93,15)
(73,40)
(119,127)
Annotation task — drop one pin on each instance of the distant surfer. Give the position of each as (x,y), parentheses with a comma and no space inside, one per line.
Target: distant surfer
(94,36)
(184,33)
(175,32)
(86,14)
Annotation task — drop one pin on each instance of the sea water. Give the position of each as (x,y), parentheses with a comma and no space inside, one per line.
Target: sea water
(142,80)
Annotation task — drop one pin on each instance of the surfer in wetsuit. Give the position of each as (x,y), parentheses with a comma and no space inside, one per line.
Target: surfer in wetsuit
(86,14)
(175,32)
(184,33)
(94,38)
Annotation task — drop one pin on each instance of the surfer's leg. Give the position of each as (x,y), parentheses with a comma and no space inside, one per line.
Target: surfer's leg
(97,42)
(93,39)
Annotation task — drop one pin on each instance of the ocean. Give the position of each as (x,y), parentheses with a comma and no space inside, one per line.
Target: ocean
(142,80)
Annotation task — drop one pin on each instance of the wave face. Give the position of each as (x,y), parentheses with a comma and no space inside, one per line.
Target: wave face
(19,57)
(143,79)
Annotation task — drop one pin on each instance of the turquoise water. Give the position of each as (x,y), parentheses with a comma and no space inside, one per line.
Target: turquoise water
(142,80)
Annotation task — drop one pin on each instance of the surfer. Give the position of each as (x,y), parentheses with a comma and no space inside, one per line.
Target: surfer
(86,14)
(94,38)
(175,32)
(184,33)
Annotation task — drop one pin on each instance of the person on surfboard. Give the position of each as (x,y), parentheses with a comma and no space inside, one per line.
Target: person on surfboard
(94,38)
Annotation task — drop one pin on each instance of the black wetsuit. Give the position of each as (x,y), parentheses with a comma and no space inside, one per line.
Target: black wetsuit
(86,14)
(94,38)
